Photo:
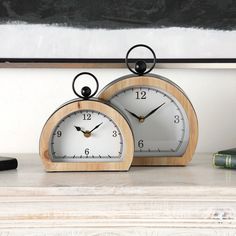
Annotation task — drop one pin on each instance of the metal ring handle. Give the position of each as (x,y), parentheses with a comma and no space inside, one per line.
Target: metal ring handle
(145,46)
(76,77)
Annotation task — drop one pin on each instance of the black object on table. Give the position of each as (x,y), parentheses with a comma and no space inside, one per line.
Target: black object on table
(8,163)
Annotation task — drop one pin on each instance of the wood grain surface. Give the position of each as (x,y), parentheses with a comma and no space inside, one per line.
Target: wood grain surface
(193,200)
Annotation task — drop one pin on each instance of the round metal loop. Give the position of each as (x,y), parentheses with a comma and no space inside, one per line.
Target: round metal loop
(127,59)
(79,95)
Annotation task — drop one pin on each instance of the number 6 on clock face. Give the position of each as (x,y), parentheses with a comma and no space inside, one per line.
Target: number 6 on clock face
(161,116)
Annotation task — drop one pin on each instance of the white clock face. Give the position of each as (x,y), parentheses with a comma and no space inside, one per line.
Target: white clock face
(85,136)
(158,120)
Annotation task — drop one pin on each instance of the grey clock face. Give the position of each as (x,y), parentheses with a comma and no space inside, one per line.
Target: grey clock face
(81,137)
(158,120)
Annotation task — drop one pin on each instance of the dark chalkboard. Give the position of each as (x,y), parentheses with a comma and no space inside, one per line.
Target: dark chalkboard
(119,14)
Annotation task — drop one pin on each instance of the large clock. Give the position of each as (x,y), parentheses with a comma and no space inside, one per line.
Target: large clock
(161,115)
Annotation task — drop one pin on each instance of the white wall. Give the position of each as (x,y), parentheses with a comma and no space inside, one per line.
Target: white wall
(29,96)
(47,41)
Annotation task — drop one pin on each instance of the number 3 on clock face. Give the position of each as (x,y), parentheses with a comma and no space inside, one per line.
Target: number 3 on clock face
(162,118)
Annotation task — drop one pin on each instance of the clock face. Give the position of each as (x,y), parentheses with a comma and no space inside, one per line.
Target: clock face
(158,120)
(86,136)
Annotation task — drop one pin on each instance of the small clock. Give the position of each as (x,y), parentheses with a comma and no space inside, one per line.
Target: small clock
(162,117)
(86,134)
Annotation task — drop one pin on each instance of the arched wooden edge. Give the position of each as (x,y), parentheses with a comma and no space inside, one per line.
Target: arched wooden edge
(74,106)
(168,86)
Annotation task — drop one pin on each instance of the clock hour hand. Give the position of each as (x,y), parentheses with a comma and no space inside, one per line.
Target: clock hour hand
(79,129)
(95,128)
(153,111)
(133,114)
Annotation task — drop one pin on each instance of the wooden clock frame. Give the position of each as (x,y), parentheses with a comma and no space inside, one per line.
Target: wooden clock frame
(98,106)
(159,82)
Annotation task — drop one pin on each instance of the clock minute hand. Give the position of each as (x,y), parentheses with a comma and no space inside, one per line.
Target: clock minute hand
(133,114)
(95,128)
(153,111)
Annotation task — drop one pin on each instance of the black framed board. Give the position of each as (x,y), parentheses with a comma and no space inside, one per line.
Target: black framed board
(106,29)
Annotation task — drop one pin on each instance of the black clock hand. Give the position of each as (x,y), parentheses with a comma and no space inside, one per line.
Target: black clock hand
(95,128)
(153,111)
(133,114)
(79,129)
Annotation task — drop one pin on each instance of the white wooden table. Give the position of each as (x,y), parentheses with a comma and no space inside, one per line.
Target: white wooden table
(193,200)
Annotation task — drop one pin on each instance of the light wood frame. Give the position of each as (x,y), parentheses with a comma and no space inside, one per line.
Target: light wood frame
(118,119)
(159,82)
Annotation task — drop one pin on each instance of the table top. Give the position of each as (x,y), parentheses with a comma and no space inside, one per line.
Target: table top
(198,178)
